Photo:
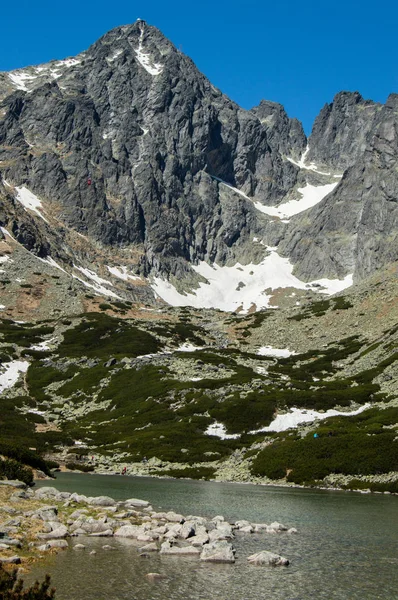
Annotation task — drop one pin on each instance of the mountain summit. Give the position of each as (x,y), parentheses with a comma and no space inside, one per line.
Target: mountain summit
(126,163)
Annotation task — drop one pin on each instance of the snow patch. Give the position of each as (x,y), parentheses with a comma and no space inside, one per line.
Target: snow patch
(224,290)
(297,416)
(275,352)
(310,196)
(11,374)
(29,201)
(122,273)
(187,347)
(219,430)
(19,79)
(42,346)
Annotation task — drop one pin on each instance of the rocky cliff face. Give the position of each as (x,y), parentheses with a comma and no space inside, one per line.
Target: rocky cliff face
(135,159)
(342,130)
(355,228)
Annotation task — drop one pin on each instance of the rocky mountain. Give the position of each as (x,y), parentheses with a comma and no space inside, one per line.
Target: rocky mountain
(128,183)
(126,165)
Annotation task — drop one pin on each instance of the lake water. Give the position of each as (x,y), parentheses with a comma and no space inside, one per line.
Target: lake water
(346,547)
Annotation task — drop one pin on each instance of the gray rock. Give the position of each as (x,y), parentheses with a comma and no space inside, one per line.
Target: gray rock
(170,550)
(155,576)
(60,532)
(105,533)
(152,547)
(57,543)
(219,552)
(101,501)
(268,558)
(13,483)
(12,560)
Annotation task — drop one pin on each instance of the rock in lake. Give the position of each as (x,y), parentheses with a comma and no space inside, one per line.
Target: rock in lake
(218,551)
(268,558)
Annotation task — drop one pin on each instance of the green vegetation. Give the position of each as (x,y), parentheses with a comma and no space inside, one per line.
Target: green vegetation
(22,334)
(191,473)
(319,308)
(12,469)
(360,445)
(100,336)
(73,466)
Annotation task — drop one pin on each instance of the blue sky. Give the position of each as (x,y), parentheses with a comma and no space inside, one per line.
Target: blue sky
(297,53)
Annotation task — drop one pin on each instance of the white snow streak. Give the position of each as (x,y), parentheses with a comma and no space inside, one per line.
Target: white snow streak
(297,416)
(242,286)
(93,276)
(29,201)
(276,352)
(11,374)
(301,163)
(146,60)
(99,289)
(50,261)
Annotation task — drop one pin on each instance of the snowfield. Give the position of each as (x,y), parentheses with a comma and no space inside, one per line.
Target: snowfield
(242,286)
(310,196)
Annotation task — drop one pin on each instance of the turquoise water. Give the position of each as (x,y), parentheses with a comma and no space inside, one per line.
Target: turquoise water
(346,546)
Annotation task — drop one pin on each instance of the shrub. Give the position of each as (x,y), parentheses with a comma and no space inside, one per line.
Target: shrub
(11,588)
(72,466)
(12,469)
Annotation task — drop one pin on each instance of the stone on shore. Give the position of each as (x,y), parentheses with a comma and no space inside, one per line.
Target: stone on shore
(11,560)
(101,501)
(60,532)
(268,558)
(14,483)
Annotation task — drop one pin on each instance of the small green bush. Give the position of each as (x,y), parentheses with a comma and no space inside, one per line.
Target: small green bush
(12,469)
(11,588)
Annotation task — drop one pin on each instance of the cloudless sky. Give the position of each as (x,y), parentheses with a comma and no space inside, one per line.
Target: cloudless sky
(297,53)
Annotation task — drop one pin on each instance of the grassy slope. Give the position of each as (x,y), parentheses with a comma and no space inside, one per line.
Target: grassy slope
(148,410)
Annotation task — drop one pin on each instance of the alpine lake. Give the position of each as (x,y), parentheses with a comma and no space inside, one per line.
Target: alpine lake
(346,546)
